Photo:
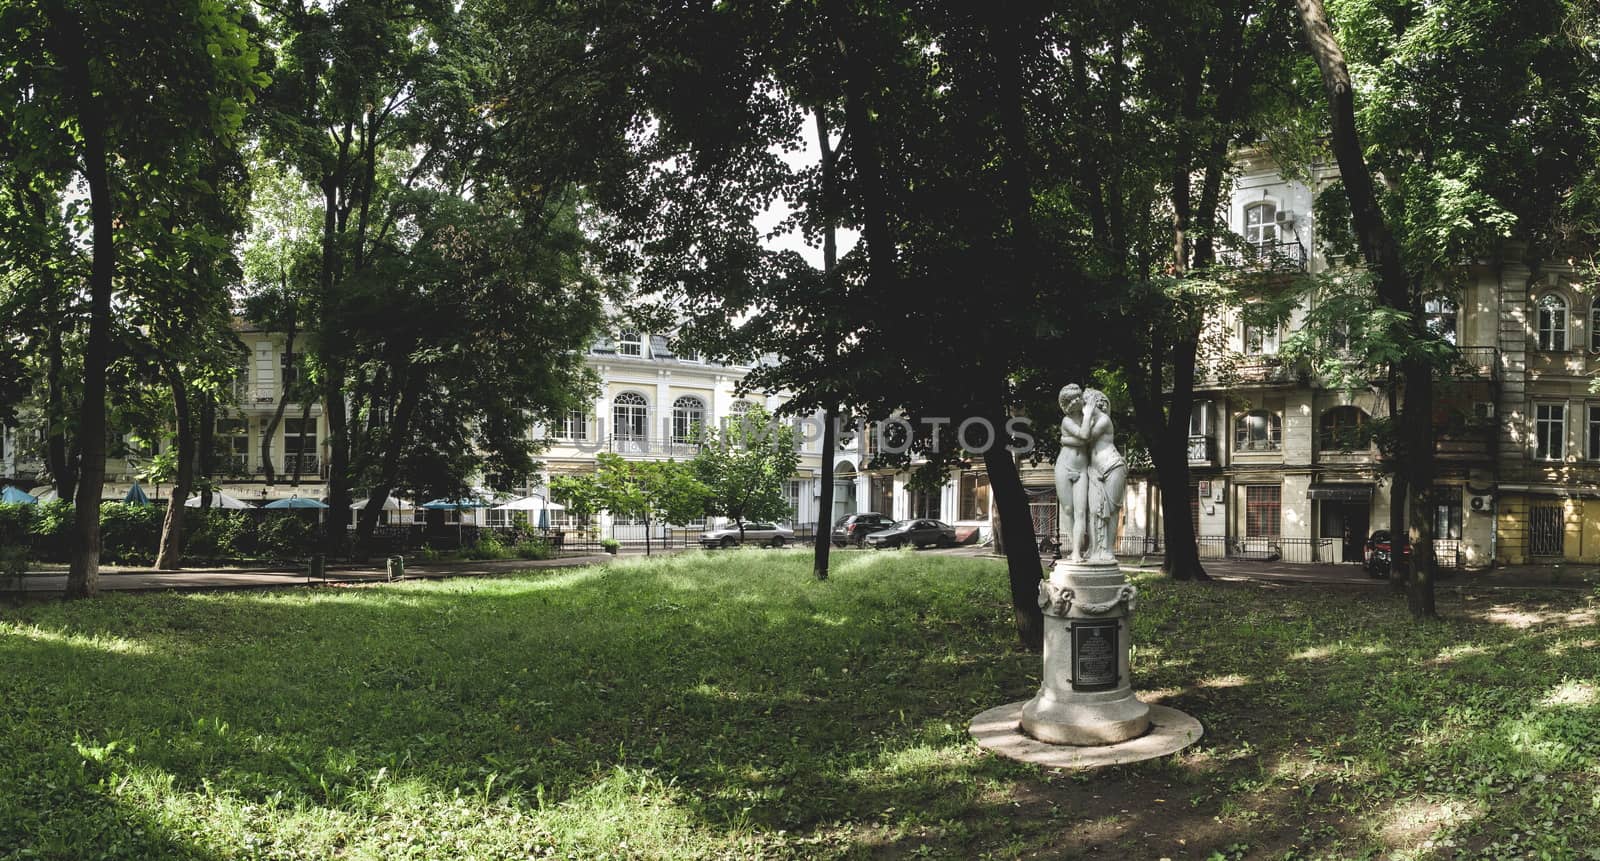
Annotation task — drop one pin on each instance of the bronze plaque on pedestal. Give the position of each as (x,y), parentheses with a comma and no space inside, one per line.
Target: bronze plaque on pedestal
(1095,657)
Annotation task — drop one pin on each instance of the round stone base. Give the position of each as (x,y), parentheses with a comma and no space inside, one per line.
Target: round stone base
(1000,729)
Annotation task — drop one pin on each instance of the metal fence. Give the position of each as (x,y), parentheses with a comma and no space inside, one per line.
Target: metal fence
(1448,553)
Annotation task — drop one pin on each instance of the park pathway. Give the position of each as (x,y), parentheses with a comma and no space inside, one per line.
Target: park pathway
(147,580)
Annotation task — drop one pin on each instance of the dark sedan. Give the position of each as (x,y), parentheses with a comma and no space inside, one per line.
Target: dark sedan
(918,533)
(854,528)
(1378,553)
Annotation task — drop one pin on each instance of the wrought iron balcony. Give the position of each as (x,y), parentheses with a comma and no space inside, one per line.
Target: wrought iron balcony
(1202,451)
(1282,256)
(628,444)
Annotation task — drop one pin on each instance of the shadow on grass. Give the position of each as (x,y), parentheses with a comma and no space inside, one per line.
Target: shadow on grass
(728,699)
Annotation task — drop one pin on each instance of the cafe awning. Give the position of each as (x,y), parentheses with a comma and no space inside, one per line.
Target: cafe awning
(1340,492)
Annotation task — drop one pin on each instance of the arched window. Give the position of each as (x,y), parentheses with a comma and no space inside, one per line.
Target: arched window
(737,423)
(1552,323)
(1439,315)
(1258,430)
(630,416)
(1343,429)
(630,344)
(688,415)
(1261,224)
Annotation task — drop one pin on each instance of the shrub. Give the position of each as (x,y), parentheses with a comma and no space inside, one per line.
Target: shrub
(489,546)
(610,545)
(13,561)
(129,533)
(286,537)
(221,535)
(534,548)
(52,529)
(16,524)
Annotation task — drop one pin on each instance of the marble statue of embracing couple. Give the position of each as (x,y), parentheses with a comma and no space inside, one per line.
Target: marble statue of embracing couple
(1091,476)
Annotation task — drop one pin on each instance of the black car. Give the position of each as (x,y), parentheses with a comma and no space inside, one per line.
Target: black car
(1378,551)
(918,533)
(853,528)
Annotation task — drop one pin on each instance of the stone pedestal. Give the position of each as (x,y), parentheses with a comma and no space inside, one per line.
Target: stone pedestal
(1086,695)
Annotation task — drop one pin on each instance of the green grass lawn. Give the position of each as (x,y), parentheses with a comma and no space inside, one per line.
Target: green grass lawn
(725,705)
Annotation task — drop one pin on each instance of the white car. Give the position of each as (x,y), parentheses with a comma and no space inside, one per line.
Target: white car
(769,534)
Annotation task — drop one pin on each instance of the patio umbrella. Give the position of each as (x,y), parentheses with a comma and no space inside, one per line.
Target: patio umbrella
(295,502)
(136,495)
(533,503)
(219,500)
(17,496)
(456,505)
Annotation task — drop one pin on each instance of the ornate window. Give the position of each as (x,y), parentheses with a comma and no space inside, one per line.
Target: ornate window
(1439,315)
(1342,429)
(1258,430)
(1261,224)
(630,415)
(1594,327)
(630,344)
(688,415)
(1552,323)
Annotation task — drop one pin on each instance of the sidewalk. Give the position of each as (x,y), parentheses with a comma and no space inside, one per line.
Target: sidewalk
(147,580)
(1351,574)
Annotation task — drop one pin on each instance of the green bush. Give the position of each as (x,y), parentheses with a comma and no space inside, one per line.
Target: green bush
(52,529)
(220,535)
(489,546)
(16,524)
(287,537)
(13,561)
(534,548)
(129,533)
(610,545)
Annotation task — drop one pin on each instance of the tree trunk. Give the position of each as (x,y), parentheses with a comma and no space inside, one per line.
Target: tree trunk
(270,432)
(1380,249)
(83,577)
(170,556)
(58,454)
(1021,549)
(822,541)
(1418,424)
(399,431)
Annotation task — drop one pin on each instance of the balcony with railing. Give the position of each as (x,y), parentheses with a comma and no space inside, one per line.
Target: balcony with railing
(1202,450)
(1284,255)
(643,446)
(1475,363)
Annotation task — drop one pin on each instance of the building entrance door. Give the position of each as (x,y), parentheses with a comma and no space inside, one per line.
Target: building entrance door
(1347,524)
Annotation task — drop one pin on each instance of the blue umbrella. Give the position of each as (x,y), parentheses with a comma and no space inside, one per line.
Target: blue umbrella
(136,495)
(295,502)
(18,496)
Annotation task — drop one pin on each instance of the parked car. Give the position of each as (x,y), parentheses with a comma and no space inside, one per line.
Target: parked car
(1376,558)
(853,528)
(769,534)
(917,532)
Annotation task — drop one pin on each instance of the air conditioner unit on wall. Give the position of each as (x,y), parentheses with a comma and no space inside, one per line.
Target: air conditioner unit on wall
(1285,218)
(1480,503)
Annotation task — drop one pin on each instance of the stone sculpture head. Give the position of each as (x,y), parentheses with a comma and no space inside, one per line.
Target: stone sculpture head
(1097,399)
(1071,393)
